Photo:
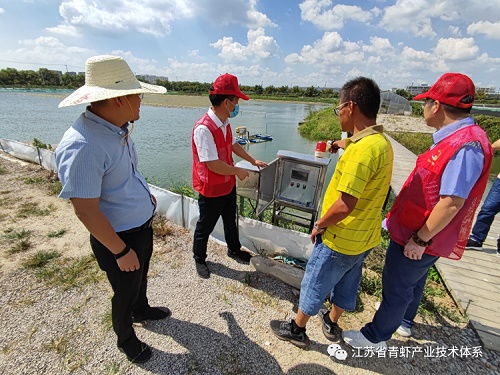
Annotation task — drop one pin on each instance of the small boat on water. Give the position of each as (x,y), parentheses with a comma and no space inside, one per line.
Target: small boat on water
(242,141)
(265,137)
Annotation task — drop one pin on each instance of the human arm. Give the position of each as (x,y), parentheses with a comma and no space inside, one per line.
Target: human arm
(496,145)
(441,215)
(221,167)
(240,151)
(88,212)
(338,211)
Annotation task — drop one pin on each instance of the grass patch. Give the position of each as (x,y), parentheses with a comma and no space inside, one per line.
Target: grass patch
(320,125)
(31,209)
(69,273)
(20,247)
(415,142)
(54,186)
(3,170)
(40,259)
(12,234)
(57,233)
(58,345)
(34,180)
(184,189)
(107,320)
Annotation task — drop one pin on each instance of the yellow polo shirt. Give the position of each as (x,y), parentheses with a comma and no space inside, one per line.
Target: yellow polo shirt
(364,171)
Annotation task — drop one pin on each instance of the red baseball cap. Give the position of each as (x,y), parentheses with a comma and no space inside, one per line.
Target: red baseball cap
(227,84)
(454,89)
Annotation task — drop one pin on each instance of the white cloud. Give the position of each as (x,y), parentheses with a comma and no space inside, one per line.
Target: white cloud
(2,10)
(455,30)
(259,46)
(378,46)
(416,16)
(321,14)
(490,29)
(155,17)
(64,29)
(456,49)
(257,19)
(48,50)
(194,52)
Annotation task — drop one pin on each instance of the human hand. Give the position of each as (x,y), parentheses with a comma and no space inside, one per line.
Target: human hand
(241,173)
(336,145)
(129,262)
(259,163)
(316,232)
(413,251)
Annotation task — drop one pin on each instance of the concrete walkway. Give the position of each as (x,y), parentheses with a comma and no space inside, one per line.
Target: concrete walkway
(474,281)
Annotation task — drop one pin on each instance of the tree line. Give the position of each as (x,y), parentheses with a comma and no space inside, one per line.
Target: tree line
(46,78)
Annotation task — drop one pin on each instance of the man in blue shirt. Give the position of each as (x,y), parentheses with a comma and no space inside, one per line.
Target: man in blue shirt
(97,166)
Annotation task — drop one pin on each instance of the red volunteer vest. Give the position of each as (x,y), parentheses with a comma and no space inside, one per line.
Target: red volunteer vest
(420,194)
(206,182)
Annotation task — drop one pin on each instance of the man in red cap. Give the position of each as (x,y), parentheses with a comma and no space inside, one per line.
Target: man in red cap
(214,172)
(432,215)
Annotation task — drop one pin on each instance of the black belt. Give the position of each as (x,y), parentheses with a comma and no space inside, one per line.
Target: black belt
(148,224)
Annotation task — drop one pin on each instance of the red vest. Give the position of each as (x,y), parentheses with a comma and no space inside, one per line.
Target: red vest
(206,182)
(420,194)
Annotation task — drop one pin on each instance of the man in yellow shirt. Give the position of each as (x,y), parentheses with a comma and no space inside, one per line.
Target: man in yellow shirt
(349,226)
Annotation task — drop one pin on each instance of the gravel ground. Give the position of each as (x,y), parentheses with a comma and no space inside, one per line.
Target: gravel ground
(218,326)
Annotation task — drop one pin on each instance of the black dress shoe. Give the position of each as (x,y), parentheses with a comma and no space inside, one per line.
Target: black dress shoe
(240,256)
(151,313)
(202,270)
(136,351)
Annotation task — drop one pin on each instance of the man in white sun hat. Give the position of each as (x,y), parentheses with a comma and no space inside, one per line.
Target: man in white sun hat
(97,166)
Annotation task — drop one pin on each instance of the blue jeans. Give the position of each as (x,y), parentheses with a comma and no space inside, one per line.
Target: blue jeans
(330,273)
(403,282)
(486,215)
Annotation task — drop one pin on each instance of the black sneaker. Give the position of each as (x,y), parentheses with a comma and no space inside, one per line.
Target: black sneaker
(136,351)
(202,270)
(331,330)
(284,331)
(240,256)
(151,313)
(474,245)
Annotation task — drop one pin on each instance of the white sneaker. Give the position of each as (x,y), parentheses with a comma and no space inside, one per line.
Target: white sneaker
(404,331)
(357,340)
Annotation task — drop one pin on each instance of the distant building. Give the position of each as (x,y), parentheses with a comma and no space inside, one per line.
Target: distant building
(73,74)
(486,90)
(415,90)
(149,78)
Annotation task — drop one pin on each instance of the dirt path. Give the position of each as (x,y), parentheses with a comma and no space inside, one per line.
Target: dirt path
(56,315)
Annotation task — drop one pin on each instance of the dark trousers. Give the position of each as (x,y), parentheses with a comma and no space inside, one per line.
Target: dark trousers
(210,211)
(486,215)
(403,282)
(129,287)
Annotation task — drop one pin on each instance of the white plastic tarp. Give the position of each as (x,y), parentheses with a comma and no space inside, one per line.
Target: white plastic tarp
(257,236)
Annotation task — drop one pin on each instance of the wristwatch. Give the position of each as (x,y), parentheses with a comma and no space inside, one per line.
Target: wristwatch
(419,241)
(122,253)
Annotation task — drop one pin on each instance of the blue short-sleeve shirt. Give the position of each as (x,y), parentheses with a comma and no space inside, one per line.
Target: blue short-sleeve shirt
(95,159)
(465,167)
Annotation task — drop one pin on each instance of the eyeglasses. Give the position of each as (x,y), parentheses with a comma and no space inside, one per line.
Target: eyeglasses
(337,109)
(427,101)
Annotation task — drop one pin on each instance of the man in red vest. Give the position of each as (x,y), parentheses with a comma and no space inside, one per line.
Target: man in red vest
(214,172)
(432,215)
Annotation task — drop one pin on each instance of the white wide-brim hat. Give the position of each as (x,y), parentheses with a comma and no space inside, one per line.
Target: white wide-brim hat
(108,77)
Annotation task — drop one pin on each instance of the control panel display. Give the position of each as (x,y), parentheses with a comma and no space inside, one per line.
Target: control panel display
(298,183)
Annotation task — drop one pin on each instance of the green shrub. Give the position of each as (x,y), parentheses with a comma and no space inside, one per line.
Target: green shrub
(321,125)
(491,126)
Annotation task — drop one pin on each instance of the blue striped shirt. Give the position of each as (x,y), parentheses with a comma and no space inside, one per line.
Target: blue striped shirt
(94,160)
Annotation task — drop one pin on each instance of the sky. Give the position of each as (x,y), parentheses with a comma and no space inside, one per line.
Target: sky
(319,43)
